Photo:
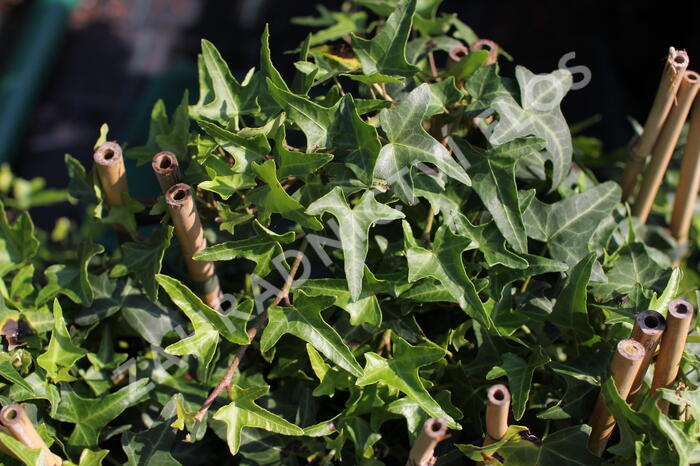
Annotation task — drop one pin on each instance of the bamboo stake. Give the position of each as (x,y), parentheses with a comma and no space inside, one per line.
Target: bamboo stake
(167,169)
(15,418)
(111,172)
(623,368)
(664,146)
(689,182)
(422,453)
(190,233)
(490,46)
(680,316)
(648,328)
(497,409)
(676,64)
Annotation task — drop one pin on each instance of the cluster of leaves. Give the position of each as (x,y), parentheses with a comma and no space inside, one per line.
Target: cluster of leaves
(440,258)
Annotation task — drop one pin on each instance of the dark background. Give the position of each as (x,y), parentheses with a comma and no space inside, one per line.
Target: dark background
(118,56)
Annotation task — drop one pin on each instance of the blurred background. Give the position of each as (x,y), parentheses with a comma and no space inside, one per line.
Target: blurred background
(67,66)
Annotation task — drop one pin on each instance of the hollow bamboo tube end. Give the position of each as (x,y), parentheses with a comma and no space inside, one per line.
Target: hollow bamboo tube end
(190,234)
(167,169)
(422,452)
(15,419)
(676,64)
(624,367)
(678,322)
(497,409)
(458,52)
(490,46)
(109,161)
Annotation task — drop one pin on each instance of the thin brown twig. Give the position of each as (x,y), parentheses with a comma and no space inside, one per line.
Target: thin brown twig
(225,382)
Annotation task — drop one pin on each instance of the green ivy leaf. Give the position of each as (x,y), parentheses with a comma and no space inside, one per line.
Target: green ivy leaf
(81,186)
(401,373)
(26,455)
(274,199)
(444,263)
(487,239)
(633,267)
(72,281)
(17,241)
(61,354)
(226,180)
(329,377)
(493,178)
(123,214)
(150,447)
(207,322)
(568,225)
(539,115)
(519,373)
(355,140)
(304,321)
(261,249)
(164,135)
(144,260)
(570,311)
(484,87)
(221,97)
(242,412)
(385,53)
(8,372)
(410,145)
(354,225)
(293,163)
(91,415)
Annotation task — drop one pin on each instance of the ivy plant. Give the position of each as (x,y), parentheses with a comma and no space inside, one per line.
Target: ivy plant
(394,231)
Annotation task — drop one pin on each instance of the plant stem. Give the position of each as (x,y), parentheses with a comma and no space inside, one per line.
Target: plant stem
(428,226)
(225,382)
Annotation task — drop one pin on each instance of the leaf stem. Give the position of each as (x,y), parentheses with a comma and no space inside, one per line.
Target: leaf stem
(225,382)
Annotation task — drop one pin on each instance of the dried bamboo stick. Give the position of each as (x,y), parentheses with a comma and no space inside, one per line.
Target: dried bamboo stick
(111,172)
(676,64)
(497,409)
(490,46)
(15,419)
(623,368)
(689,182)
(665,144)
(648,328)
(167,169)
(190,233)
(458,52)
(422,453)
(680,316)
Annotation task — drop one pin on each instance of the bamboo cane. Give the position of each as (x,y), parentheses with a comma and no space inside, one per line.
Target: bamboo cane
(167,169)
(15,419)
(458,52)
(689,182)
(497,409)
(648,328)
(676,64)
(665,144)
(422,452)
(190,234)
(680,316)
(111,172)
(490,46)
(623,368)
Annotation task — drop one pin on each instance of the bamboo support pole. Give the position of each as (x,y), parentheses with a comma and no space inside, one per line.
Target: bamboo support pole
(15,419)
(422,452)
(188,227)
(490,46)
(167,169)
(111,172)
(623,368)
(678,321)
(648,328)
(664,146)
(689,182)
(497,409)
(676,64)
